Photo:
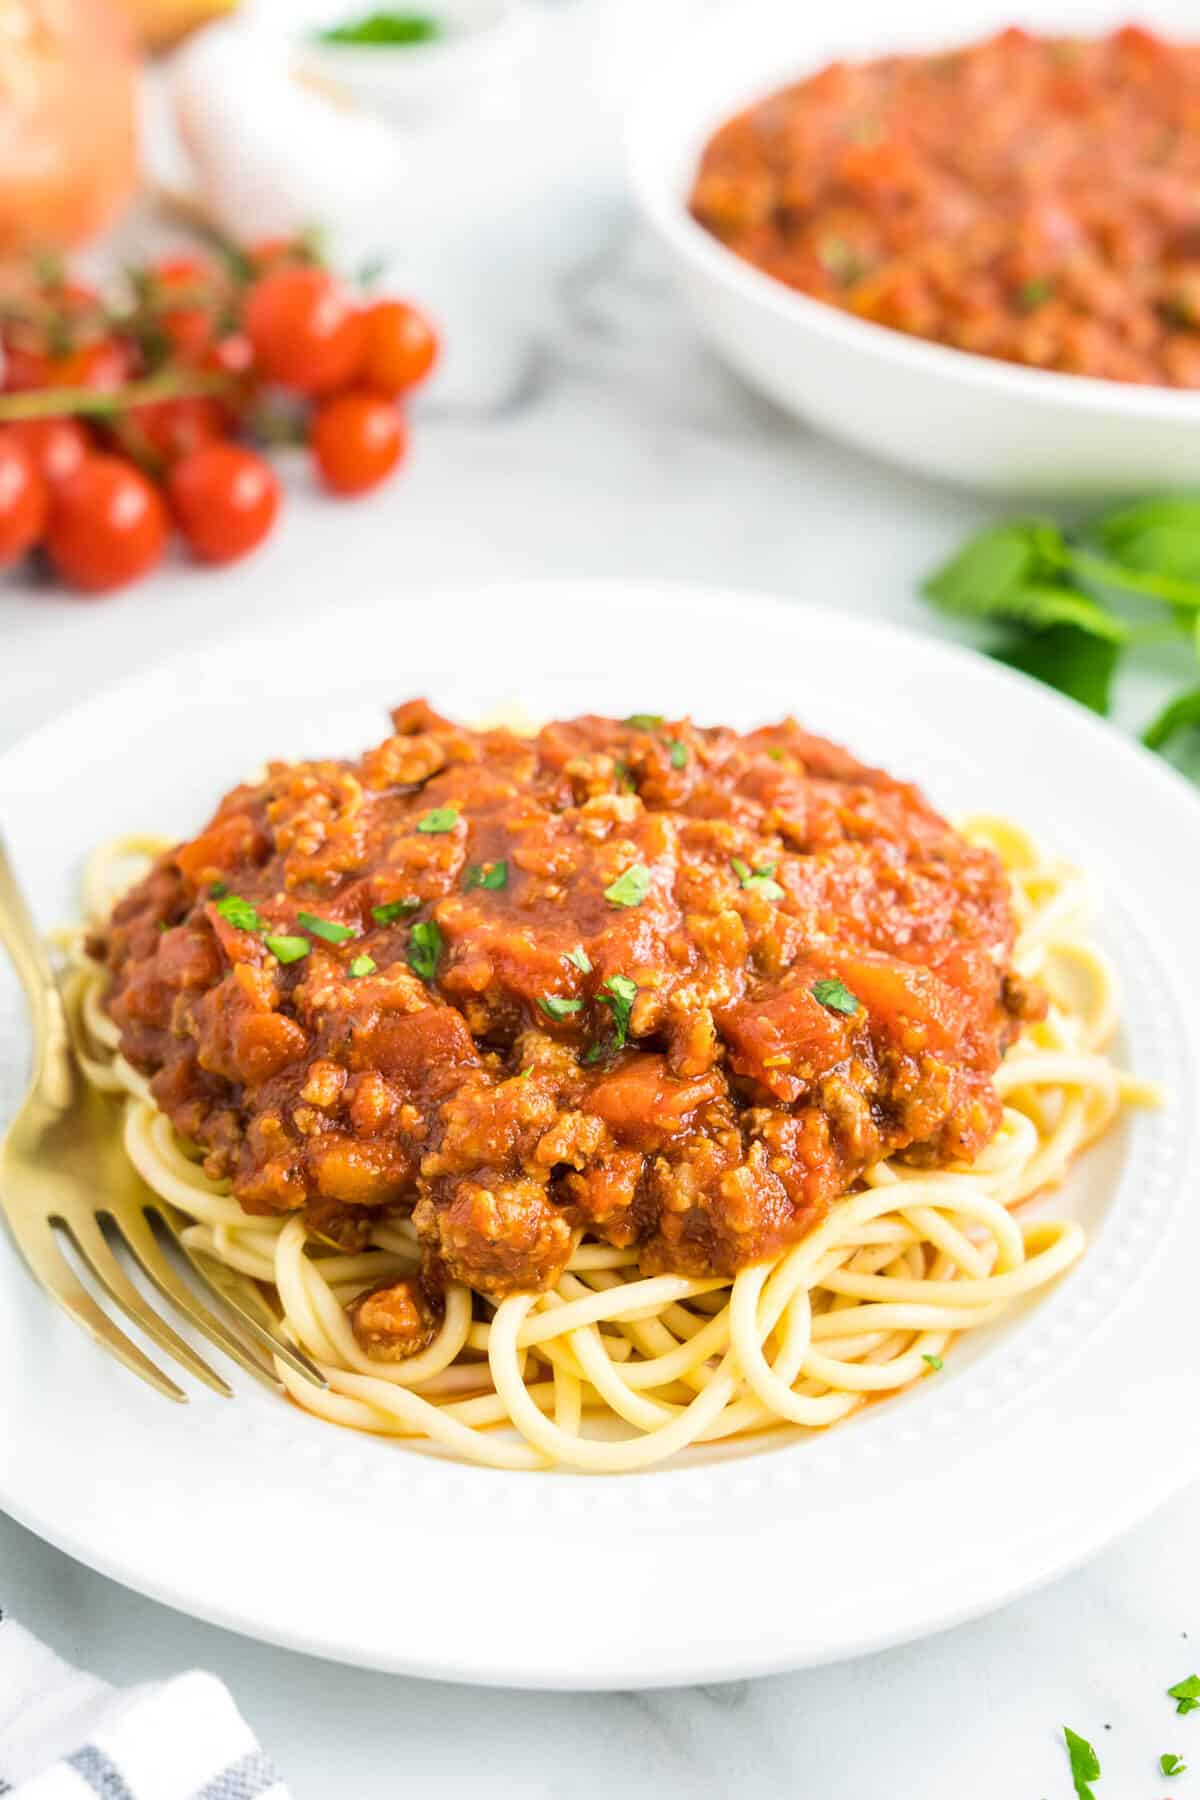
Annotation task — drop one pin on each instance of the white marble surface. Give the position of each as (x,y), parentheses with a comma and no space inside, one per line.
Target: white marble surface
(579,427)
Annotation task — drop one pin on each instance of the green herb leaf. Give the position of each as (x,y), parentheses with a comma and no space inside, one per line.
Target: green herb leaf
(980,581)
(775,752)
(240,914)
(619,994)
(288,949)
(1170,1764)
(494,876)
(835,996)
(424,948)
(1085,1764)
(217,890)
(1186,1693)
(363,965)
(645,721)
(631,888)
(580,959)
(759,881)
(1035,293)
(1162,536)
(557,1006)
(1074,662)
(1180,714)
(625,782)
(442,818)
(328,929)
(679,755)
(935,1362)
(386,30)
(395,909)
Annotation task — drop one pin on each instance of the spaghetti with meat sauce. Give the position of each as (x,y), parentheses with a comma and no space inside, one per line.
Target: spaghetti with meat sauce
(487,1027)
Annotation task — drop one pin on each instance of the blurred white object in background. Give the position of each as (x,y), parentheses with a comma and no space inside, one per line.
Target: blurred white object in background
(476,46)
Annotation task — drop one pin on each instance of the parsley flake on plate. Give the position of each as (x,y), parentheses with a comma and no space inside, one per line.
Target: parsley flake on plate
(679,755)
(329,929)
(1170,1764)
(424,948)
(1085,1764)
(288,949)
(395,909)
(619,994)
(558,1006)
(441,819)
(579,959)
(629,889)
(489,875)
(240,913)
(1186,1694)
(758,881)
(935,1362)
(835,996)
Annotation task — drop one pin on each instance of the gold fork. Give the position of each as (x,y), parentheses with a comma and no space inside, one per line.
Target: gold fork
(64,1170)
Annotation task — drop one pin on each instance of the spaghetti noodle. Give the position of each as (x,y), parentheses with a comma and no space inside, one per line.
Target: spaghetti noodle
(866,1304)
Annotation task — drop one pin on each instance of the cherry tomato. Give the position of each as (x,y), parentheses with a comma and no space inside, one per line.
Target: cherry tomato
(306,331)
(401,346)
(172,428)
(108,525)
(357,439)
(232,354)
(57,446)
(191,327)
(104,364)
(225,499)
(24,501)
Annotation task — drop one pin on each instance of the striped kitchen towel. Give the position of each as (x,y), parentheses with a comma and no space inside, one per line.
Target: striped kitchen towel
(64,1735)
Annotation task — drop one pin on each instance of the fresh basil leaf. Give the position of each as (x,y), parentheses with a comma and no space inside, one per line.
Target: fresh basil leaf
(557,1006)
(441,819)
(1160,535)
(1076,663)
(1186,1694)
(986,572)
(492,878)
(241,914)
(288,949)
(382,30)
(1170,1764)
(580,959)
(395,909)
(1180,714)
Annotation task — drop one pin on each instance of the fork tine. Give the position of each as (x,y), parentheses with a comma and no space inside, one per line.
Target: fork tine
(36,1240)
(137,1234)
(223,1283)
(92,1246)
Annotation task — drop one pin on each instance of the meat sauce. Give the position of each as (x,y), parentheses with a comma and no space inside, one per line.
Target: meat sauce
(674,986)
(1032,199)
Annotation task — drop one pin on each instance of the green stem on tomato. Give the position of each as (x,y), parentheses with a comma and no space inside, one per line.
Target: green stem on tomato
(1167,588)
(54,403)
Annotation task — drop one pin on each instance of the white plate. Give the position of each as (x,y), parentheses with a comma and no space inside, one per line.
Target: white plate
(968,419)
(1038,1443)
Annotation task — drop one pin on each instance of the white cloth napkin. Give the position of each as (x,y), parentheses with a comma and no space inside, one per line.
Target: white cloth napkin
(65,1735)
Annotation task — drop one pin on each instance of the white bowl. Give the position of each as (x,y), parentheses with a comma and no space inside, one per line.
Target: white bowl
(969,419)
(480,41)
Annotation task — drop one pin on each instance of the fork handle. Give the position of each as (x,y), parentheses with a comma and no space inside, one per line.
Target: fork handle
(53,1064)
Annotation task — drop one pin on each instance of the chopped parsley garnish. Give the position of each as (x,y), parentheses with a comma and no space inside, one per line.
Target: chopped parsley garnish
(679,755)
(329,929)
(363,965)
(935,1362)
(631,888)
(774,752)
(1186,1694)
(240,914)
(1085,1764)
(1035,293)
(217,890)
(619,994)
(442,818)
(288,949)
(382,30)
(424,948)
(759,881)
(625,782)
(579,959)
(645,721)
(835,996)
(395,909)
(1170,1764)
(557,1006)
(492,875)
